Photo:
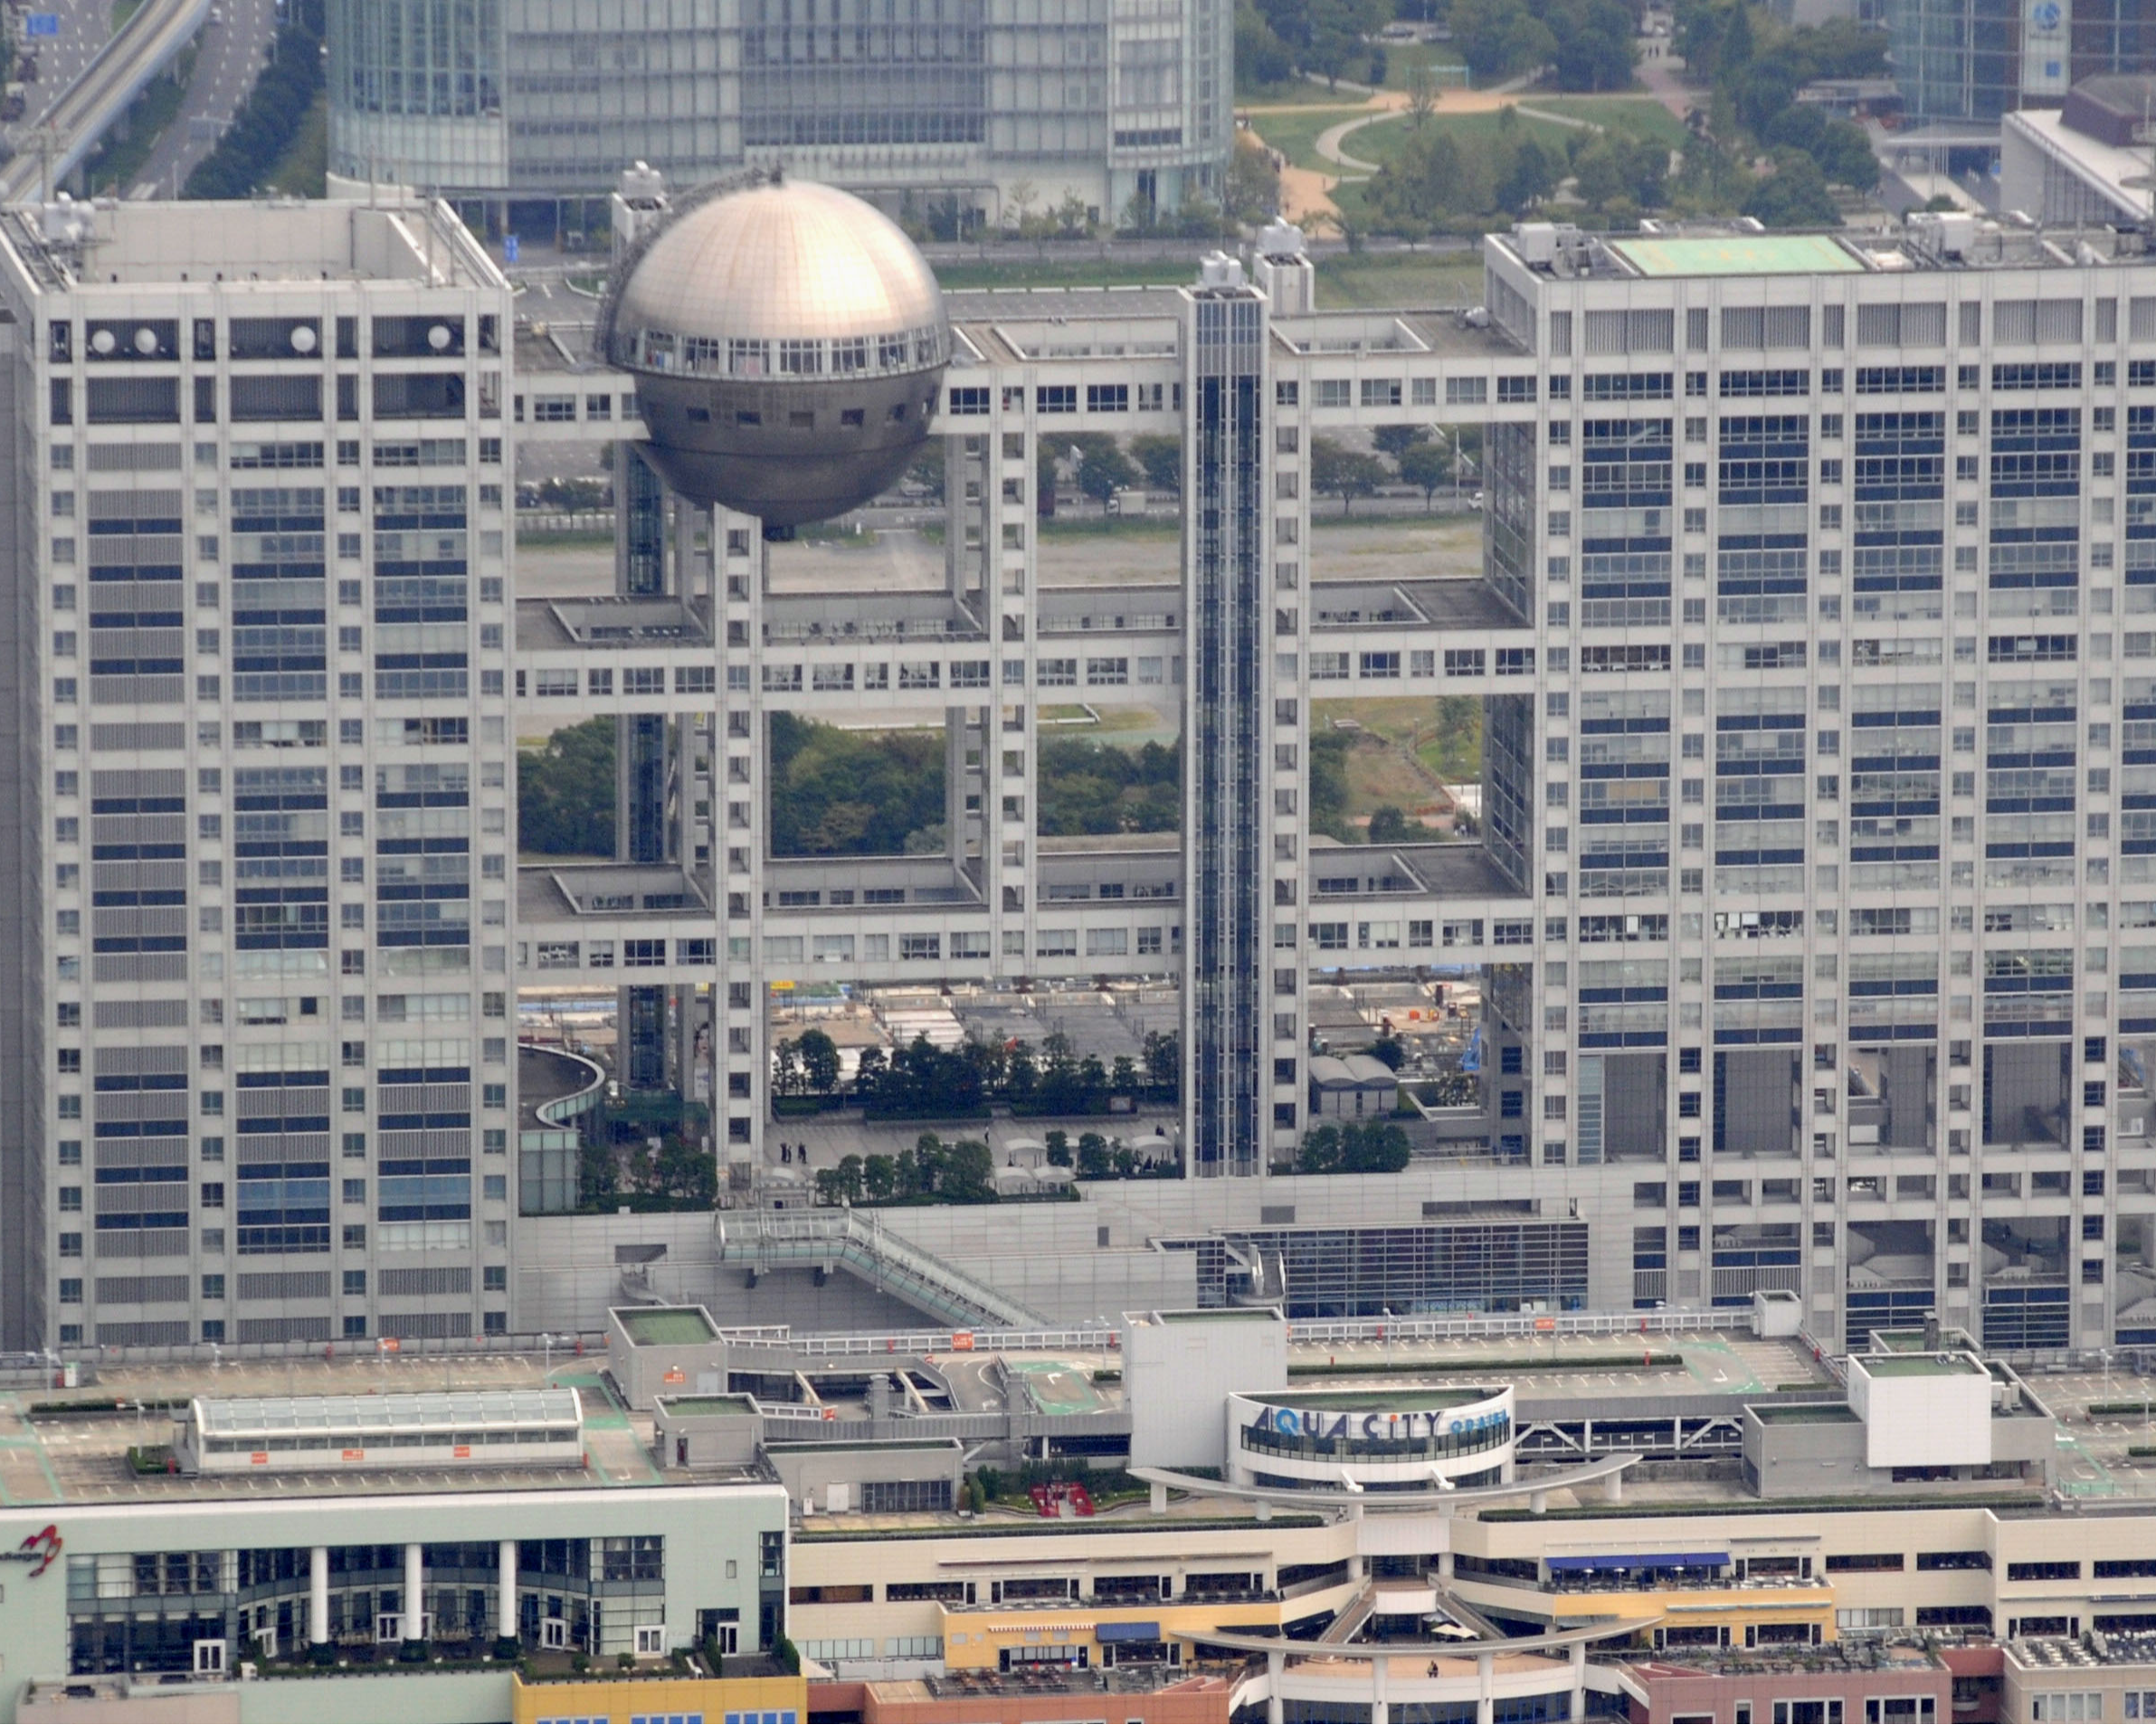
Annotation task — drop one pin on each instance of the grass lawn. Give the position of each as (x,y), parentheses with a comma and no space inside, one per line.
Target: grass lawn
(1472,132)
(1296,92)
(1295,135)
(1641,115)
(303,170)
(1089,271)
(1409,747)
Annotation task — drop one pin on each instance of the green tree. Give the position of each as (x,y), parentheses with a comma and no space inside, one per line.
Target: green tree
(1159,454)
(1093,1161)
(1103,468)
(1253,193)
(1336,470)
(1396,441)
(819,1061)
(1427,467)
(1531,178)
(879,1178)
(1057,1142)
(1389,1050)
(1498,38)
(1261,58)
(1387,826)
(1794,195)
(1422,93)
(1596,43)
(566,792)
(851,793)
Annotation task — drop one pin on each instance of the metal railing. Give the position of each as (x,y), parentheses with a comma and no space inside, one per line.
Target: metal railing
(1482,1326)
(859,1241)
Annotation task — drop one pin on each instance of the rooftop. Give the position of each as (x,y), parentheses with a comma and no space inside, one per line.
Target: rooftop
(454,1410)
(1919,1365)
(707,1407)
(245,246)
(1739,254)
(679,1326)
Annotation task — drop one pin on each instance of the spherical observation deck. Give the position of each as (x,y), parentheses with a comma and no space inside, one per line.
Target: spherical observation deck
(787,341)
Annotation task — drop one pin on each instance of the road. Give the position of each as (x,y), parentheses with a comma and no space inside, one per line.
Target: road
(228,54)
(112,73)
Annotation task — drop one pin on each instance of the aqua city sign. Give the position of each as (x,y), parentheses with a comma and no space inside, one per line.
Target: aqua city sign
(1304,1422)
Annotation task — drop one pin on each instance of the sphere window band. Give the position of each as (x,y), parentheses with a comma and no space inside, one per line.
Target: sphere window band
(1370,1436)
(661,350)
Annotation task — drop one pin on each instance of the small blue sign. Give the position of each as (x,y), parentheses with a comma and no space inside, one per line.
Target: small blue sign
(41,24)
(508,247)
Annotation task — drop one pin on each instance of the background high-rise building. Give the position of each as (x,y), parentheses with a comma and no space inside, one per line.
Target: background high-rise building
(966,108)
(1964,64)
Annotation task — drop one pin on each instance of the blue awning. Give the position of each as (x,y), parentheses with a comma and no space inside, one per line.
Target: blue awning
(1645,1561)
(1109,1632)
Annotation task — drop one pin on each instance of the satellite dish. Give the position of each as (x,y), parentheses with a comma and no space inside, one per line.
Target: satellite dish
(439,337)
(146,341)
(303,338)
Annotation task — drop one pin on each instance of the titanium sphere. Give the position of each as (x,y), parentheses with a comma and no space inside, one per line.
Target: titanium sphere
(787,340)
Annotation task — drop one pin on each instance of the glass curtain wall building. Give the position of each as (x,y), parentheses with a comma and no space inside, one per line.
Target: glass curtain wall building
(968,110)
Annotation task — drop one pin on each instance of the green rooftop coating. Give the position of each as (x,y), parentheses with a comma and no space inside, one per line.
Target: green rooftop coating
(1919,1365)
(707,1407)
(679,1326)
(1739,254)
(1807,1413)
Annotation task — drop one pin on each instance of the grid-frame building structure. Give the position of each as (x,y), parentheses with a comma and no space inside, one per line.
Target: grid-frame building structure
(1805,907)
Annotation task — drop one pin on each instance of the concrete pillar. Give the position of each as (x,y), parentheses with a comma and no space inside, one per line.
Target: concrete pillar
(1485,1669)
(1381,1709)
(1579,1680)
(1538,1503)
(1159,1504)
(505,1613)
(1276,1668)
(1614,1488)
(416,1579)
(317,1596)
(1445,1566)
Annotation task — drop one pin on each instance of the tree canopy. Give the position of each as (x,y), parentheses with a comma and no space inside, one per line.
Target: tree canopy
(851,793)
(566,792)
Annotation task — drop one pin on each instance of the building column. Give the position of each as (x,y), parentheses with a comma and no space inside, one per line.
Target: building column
(505,1611)
(318,1597)
(1276,1668)
(1485,1671)
(1579,1680)
(415,1577)
(1381,1709)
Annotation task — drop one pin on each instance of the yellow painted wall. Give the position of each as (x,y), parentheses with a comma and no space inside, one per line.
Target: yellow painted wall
(1701,1608)
(986,1632)
(619,1697)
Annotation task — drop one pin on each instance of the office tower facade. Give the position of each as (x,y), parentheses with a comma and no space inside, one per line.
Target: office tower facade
(256,469)
(969,109)
(1964,64)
